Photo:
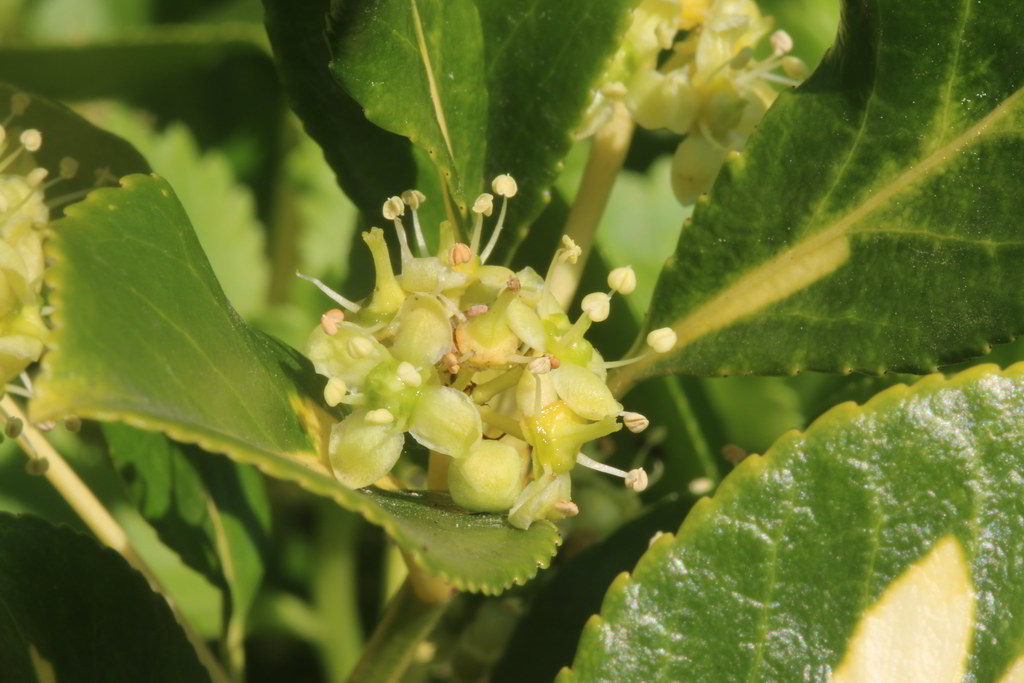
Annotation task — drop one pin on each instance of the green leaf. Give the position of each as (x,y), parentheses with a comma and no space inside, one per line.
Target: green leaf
(65,134)
(144,335)
(771,578)
(75,611)
(214,513)
(545,638)
(222,210)
(483,87)
(871,224)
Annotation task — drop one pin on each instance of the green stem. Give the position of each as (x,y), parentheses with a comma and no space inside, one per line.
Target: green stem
(406,622)
(335,591)
(607,154)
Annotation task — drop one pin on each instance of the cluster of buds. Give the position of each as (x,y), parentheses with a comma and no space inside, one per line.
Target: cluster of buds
(23,216)
(477,363)
(706,85)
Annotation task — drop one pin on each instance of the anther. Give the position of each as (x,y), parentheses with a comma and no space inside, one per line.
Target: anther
(513,284)
(73,423)
(36,176)
(460,253)
(540,365)
(636,480)
(359,347)
(329,321)
(635,422)
(407,373)
(700,486)
(393,208)
(622,280)
(484,204)
(413,198)
(68,168)
(554,360)
(662,340)
(381,416)
(451,363)
(567,508)
(597,306)
(13,427)
(31,139)
(781,42)
(504,185)
(37,466)
(476,309)
(570,251)
(334,392)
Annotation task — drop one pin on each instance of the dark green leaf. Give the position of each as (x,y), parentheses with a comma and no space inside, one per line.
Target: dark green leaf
(145,335)
(872,223)
(483,87)
(545,639)
(214,513)
(77,612)
(771,578)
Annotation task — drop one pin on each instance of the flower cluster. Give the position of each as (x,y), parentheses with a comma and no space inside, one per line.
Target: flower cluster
(23,215)
(477,363)
(706,86)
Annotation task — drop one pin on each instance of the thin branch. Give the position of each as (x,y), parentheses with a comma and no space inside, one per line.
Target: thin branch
(99,520)
(607,154)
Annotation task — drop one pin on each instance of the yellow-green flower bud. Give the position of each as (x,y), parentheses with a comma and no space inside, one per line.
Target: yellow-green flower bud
(584,392)
(361,452)
(446,421)
(423,331)
(489,479)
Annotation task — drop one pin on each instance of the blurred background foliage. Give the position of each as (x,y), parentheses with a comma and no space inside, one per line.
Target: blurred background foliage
(192,85)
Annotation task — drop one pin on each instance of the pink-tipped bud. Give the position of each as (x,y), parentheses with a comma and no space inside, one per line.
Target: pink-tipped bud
(329,321)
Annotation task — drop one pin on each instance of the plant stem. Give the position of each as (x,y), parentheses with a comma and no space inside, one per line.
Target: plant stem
(99,520)
(607,154)
(335,591)
(407,620)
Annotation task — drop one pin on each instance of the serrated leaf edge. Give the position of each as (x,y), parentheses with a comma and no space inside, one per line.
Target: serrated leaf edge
(753,465)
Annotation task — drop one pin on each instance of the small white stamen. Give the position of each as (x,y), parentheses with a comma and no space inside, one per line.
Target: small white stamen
(381,416)
(359,347)
(700,486)
(36,176)
(662,340)
(484,204)
(781,42)
(413,198)
(31,139)
(570,251)
(539,366)
(635,422)
(407,373)
(504,185)
(636,480)
(351,306)
(393,208)
(68,168)
(596,305)
(622,280)
(334,392)
(329,321)
(567,508)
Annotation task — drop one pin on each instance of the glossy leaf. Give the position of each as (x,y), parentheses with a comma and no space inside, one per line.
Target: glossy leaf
(144,335)
(545,638)
(916,492)
(214,513)
(871,224)
(483,87)
(75,611)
